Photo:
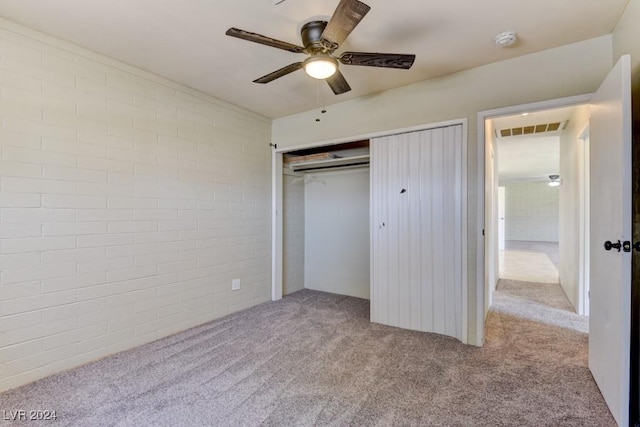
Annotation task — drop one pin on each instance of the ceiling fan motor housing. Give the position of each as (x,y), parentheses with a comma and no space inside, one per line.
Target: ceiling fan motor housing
(311,33)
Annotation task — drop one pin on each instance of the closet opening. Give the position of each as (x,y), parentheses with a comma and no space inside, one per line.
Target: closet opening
(325,219)
(381,217)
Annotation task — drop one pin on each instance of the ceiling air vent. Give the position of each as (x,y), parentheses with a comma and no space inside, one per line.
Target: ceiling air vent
(533,129)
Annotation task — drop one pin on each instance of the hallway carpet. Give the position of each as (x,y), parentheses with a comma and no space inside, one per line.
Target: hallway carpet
(527,266)
(543,303)
(315,359)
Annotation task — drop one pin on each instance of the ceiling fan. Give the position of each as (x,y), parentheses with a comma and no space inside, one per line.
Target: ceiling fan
(320,40)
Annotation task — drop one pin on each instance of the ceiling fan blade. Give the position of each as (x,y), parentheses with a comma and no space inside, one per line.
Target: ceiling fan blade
(338,83)
(385,60)
(346,17)
(279,73)
(267,41)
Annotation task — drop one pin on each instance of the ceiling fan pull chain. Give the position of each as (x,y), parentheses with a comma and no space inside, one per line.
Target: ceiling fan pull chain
(318,97)
(323,110)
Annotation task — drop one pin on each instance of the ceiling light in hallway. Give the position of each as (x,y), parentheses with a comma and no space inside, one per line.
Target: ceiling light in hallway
(554,180)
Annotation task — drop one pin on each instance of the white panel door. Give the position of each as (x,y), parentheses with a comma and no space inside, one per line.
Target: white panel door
(610,209)
(416,204)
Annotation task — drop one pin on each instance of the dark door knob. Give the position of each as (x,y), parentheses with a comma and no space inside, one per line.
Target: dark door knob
(608,245)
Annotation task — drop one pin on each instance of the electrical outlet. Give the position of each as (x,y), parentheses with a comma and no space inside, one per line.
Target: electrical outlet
(235,285)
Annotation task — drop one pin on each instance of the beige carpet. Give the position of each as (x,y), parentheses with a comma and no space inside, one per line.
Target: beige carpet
(315,359)
(543,303)
(527,266)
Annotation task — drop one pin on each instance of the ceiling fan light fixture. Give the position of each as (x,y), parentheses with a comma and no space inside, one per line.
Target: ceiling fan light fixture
(320,66)
(554,180)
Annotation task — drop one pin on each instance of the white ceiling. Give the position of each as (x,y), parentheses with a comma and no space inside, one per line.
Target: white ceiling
(530,157)
(185,41)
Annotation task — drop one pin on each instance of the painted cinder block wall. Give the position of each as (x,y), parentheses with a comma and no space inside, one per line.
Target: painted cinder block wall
(128,203)
(532,212)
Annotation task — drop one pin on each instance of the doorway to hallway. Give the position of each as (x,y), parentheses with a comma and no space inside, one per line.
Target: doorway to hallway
(609,220)
(537,221)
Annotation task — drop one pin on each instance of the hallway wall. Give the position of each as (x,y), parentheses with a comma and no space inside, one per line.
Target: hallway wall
(571,156)
(532,212)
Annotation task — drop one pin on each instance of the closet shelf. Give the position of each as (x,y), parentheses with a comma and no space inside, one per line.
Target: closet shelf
(341,162)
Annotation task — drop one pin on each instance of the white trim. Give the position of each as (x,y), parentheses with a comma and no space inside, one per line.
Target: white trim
(584,134)
(481,177)
(583,225)
(534,106)
(480,237)
(389,132)
(276,226)
(465,236)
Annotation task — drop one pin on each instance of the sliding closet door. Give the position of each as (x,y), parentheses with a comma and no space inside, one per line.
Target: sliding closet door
(417,246)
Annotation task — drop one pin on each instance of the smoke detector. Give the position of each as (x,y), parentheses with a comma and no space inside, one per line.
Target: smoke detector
(506,39)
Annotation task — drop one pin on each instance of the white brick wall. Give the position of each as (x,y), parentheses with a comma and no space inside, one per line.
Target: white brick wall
(292,234)
(127,205)
(532,212)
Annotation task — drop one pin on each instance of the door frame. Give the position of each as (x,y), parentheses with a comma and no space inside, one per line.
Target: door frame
(277,206)
(583,224)
(501,217)
(277,225)
(484,251)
